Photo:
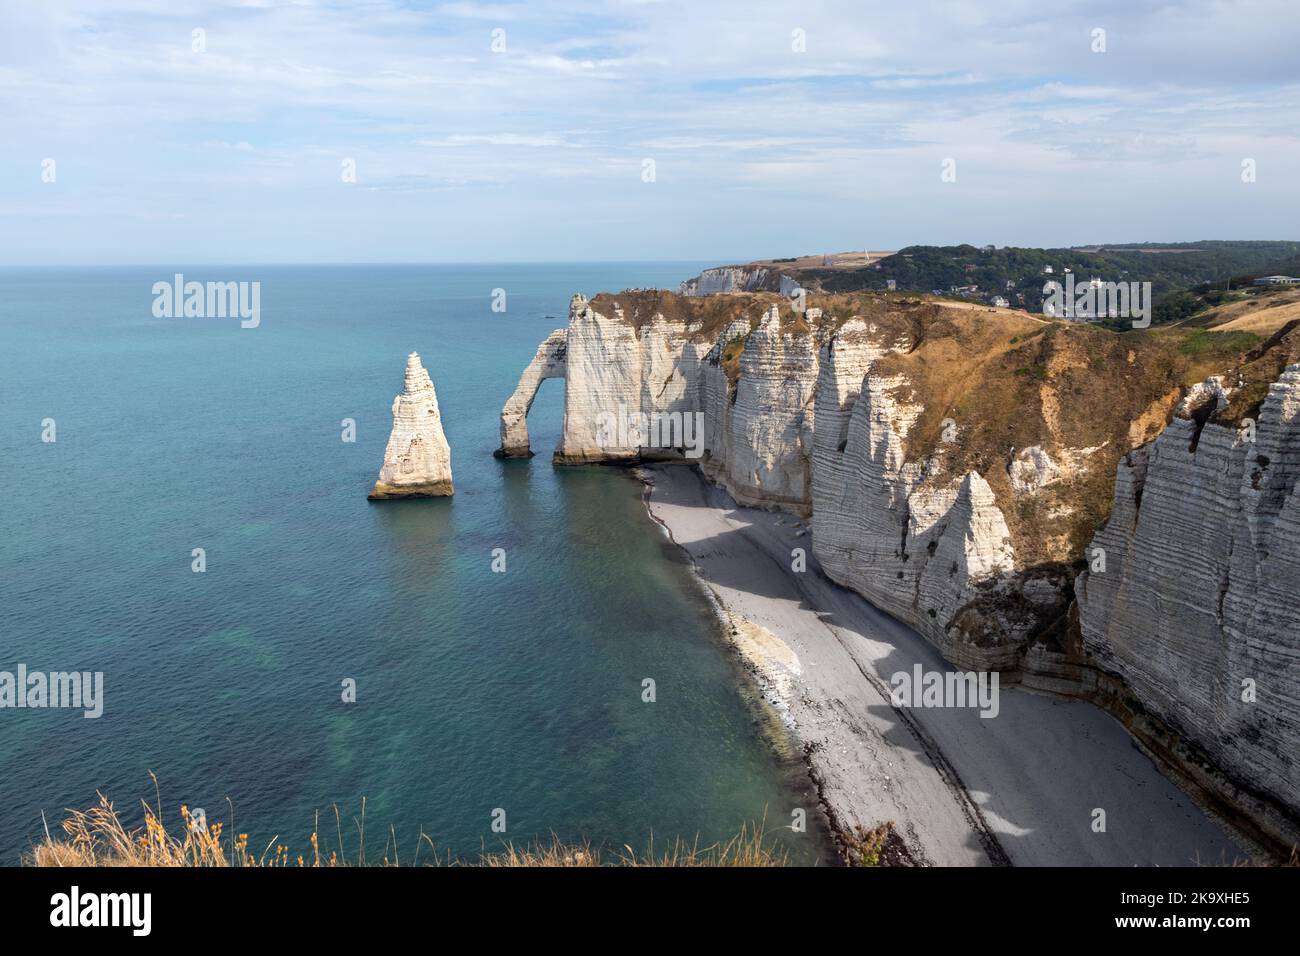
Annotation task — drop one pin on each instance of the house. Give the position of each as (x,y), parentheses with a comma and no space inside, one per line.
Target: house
(1047,270)
(999,302)
(891,284)
(1011,284)
(1275,280)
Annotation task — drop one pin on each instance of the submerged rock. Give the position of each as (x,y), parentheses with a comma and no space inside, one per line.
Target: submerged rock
(417,461)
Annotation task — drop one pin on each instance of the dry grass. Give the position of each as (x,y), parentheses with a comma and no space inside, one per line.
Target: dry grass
(749,848)
(705,316)
(1011,380)
(1260,312)
(98,837)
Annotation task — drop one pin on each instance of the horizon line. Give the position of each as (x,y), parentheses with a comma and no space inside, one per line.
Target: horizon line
(353,262)
(721,261)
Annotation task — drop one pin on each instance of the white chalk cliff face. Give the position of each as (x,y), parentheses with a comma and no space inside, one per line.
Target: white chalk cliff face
(724,279)
(417,461)
(1198,609)
(913,540)
(603,377)
(756,431)
(798,427)
(1200,591)
(764,455)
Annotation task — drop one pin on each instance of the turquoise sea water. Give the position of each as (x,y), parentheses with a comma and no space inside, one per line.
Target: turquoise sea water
(476,690)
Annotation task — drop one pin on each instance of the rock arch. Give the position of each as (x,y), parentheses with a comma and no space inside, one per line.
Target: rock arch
(549,362)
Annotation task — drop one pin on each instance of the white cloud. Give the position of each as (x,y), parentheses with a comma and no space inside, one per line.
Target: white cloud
(744,128)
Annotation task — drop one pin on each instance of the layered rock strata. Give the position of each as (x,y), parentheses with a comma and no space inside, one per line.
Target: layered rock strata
(1196,607)
(762,448)
(725,279)
(956,466)
(417,460)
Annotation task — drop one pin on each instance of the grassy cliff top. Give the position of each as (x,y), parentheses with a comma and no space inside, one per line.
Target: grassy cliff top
(704,316)
(707,316)
(1010,380)
(1084,394)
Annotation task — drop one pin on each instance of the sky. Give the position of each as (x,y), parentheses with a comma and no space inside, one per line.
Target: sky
(385,131)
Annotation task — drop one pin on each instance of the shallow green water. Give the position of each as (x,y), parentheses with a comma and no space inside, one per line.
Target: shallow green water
(476,690)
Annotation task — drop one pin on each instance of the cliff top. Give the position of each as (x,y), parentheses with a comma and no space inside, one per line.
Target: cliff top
(1082,394)
(1019,386)
(704,316)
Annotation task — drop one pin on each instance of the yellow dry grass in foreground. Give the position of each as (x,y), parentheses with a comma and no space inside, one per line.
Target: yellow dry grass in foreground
(97,837)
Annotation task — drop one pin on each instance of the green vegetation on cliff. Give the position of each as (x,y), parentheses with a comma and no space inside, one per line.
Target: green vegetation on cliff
(1019,273)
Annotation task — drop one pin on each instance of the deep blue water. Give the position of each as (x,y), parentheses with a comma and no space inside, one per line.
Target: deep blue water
(475,690)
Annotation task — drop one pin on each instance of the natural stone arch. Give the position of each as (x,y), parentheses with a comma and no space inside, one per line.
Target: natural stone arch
(549,362)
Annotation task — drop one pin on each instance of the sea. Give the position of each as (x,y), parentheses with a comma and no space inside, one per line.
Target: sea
(484,698)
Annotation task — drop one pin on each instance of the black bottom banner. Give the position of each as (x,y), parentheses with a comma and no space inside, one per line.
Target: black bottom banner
(335,905)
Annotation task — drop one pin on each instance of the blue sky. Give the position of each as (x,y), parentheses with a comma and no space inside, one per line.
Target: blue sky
(235,152)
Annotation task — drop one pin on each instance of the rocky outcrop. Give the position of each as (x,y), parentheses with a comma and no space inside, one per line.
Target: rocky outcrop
(725,279)
(417,461)
(1196,608)
(1032,468)
(644,385)
(549,362)
(605,377)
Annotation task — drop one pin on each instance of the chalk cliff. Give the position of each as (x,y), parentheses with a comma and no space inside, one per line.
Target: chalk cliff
(752,278)
(417,461)
(956,464)
(763,455)
(1197,609)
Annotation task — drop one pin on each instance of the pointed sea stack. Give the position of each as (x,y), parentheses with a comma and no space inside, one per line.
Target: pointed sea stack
(417,461)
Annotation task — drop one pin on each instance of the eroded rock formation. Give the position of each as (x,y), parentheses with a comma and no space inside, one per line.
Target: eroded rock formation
(417,461)
(549,362)
(956,464)
(764,456)
(725,279)
(1197,610)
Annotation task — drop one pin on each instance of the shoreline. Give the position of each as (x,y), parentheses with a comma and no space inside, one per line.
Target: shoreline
(1023,788)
